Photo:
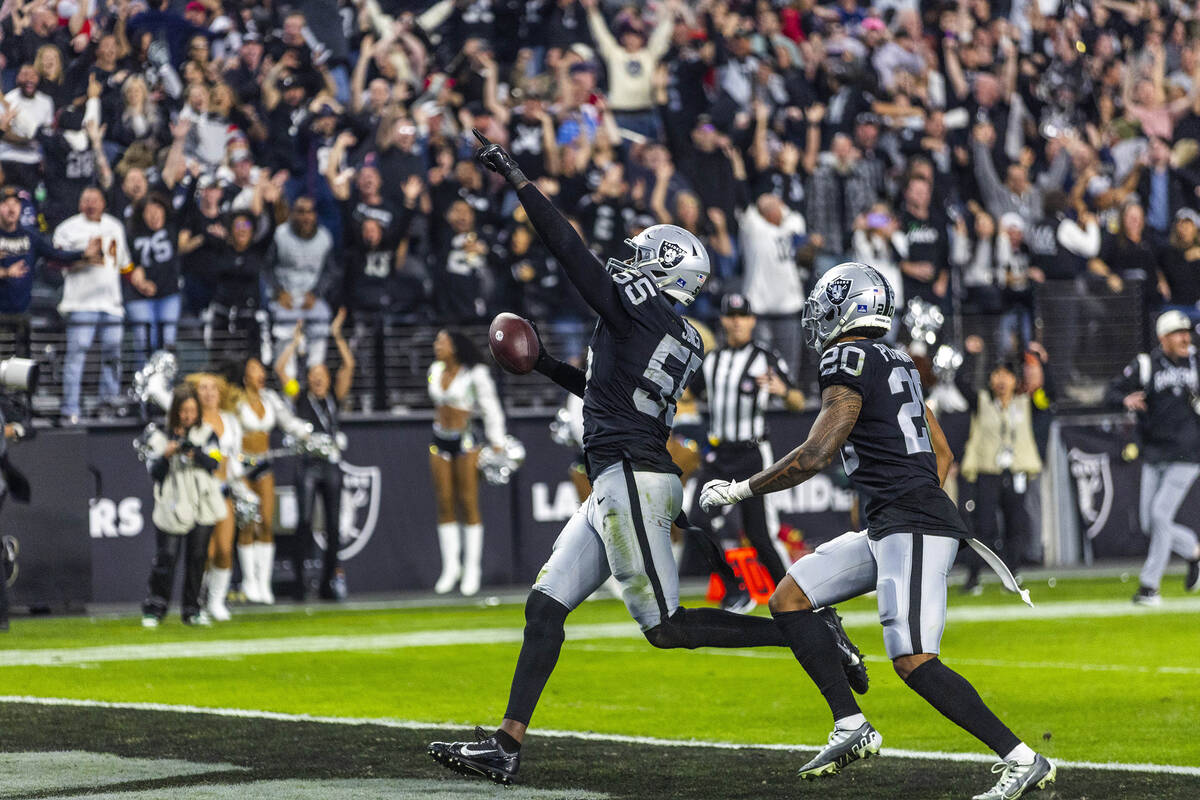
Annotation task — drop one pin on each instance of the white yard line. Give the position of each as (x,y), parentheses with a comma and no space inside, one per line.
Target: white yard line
(1113,766)
(238,648)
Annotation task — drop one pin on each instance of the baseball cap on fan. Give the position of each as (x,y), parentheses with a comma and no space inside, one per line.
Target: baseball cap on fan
(1171,321)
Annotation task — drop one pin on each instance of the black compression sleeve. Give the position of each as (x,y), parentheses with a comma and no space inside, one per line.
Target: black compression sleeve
(584,269)
(569,377)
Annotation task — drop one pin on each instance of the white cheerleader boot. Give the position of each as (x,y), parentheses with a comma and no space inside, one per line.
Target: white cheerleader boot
(218,587)
(451,545)
(248,558)
(472,559)
(264,555)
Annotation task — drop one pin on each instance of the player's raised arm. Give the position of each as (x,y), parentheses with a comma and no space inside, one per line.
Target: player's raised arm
(839,411)
(583,269)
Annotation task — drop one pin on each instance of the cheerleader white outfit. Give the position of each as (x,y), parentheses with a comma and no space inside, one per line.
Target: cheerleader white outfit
(471,390)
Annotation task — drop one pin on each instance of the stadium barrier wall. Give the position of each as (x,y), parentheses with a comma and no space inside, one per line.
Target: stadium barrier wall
(90,480)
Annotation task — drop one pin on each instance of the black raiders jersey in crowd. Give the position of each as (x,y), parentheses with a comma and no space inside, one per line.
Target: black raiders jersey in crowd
(1169,428)
(634,381)
(889,454)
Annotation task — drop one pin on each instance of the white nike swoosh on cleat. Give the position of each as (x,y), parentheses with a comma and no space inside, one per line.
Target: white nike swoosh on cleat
(467,751)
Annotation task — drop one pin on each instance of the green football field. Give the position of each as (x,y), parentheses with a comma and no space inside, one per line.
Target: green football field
(1108,689)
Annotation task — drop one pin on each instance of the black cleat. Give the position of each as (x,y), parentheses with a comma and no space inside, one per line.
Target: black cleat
(852,660)
(484,757)
(1192,582)
(845,747)
(1146,596)
(738,601)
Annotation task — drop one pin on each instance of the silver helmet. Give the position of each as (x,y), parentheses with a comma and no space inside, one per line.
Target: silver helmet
(673,258)
(849,298)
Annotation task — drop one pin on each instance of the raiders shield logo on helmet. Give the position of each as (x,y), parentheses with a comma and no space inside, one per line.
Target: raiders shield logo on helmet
(670,254)
(837,290)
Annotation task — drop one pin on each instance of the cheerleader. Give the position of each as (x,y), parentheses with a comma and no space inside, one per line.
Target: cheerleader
(216,412)
(259,411)
(460,387)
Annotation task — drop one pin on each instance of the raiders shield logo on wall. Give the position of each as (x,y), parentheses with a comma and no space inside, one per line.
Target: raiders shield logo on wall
(837,290)
(361,488)
(670,254)
(1093,488)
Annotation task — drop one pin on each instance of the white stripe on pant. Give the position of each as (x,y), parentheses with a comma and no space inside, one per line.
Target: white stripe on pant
(603,538)
(1164,487)
(912,598)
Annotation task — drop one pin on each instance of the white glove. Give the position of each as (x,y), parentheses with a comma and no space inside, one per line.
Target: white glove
(723,493)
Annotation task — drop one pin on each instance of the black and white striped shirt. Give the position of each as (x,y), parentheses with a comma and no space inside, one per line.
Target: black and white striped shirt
(728,380)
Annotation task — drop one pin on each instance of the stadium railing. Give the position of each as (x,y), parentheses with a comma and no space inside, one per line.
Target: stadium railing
(1089,337)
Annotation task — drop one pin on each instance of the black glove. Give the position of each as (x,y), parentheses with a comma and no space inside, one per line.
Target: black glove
(545,361)
(497,159)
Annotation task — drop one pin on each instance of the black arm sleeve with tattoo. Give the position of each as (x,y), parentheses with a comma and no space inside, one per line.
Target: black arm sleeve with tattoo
(839,411)
(583,269)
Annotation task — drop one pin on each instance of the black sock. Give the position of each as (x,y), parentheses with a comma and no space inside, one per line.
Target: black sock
(956,699)
(815,648)
(544,619)
(507,743)
(714,627)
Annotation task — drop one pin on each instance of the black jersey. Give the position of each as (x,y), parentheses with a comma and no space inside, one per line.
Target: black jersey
(634,380)
(889,455)
(1169,428)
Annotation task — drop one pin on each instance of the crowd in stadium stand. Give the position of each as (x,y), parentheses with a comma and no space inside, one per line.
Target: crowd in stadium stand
(263,160)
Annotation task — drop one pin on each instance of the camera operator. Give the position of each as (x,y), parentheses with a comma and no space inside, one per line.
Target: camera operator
(13,483)
(318,403)
(188,502)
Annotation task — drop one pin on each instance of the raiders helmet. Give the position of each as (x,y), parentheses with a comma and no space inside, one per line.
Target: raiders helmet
(849,298)
(674,259)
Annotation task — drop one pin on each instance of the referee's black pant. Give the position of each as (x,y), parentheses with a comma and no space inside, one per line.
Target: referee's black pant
(737,461)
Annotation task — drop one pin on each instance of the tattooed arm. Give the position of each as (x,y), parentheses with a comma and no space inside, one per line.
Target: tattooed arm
(839,411)
(941,448)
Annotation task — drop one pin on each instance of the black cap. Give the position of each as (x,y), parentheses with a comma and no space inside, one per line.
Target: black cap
(288,81)
(868,118)
(735,305)
(9,193)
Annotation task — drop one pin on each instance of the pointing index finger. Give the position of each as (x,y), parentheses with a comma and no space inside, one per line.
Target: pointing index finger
(483,140)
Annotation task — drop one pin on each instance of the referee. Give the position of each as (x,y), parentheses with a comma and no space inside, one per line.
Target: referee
(738,380)
(1163,388)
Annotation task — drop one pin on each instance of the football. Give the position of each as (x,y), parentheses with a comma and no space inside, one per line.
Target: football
(513,343)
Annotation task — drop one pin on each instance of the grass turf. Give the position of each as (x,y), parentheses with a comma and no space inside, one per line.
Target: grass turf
(1081,689)
(316,753)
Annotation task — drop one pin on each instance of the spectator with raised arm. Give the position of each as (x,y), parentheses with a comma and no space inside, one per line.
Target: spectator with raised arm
(631,63)
(319,403)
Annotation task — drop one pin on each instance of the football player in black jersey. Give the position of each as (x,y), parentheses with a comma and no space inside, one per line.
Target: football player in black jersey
(641,356)
(894,451)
